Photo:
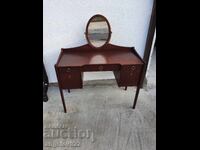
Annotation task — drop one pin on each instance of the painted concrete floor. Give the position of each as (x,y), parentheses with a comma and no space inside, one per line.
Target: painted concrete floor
(100,117)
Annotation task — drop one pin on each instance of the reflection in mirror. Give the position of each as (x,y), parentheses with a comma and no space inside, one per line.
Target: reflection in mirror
(98,31)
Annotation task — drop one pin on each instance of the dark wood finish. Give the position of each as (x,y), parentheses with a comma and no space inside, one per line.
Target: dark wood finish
(138,87)
(60,88)
(70,80)
(126,64)
(128,75)
(75,58)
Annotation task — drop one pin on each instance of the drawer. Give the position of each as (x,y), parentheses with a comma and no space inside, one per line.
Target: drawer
(69,69)
(129,75)
(70,80)
(130,69)
(101,67)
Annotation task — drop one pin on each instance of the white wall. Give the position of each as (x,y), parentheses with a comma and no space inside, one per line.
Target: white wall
(64,23)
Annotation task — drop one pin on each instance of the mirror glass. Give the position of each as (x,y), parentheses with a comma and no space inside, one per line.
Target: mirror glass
(98,31)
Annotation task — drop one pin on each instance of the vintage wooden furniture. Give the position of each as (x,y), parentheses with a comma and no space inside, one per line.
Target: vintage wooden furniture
(98,55)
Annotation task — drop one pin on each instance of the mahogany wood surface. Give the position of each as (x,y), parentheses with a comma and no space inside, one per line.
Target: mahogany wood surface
(86,55)
(125,63)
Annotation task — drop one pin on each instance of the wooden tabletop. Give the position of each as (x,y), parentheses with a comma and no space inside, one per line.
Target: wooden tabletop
(85,55)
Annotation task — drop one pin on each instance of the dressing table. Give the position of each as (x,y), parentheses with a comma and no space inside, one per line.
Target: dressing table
(98,55)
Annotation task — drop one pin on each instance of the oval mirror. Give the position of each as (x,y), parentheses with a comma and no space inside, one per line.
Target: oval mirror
(98,31)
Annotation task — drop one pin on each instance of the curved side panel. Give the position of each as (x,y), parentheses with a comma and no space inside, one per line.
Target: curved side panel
(87,47)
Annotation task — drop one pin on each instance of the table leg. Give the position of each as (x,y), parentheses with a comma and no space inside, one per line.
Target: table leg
(68,90)
(125,88)
(136,96)
(61,91)
(138,88)
(63,100)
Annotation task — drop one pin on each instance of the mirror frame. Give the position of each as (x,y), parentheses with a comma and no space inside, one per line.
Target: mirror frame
(109,31)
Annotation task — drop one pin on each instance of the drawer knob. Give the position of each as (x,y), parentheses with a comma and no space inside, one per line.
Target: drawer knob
(68,69)
(69,76)
(132,68)
(100,68)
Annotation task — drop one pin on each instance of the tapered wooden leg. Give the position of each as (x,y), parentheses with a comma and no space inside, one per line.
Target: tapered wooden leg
(61,91)
(63,100)
(136,96)
(125,88)
(68,90)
